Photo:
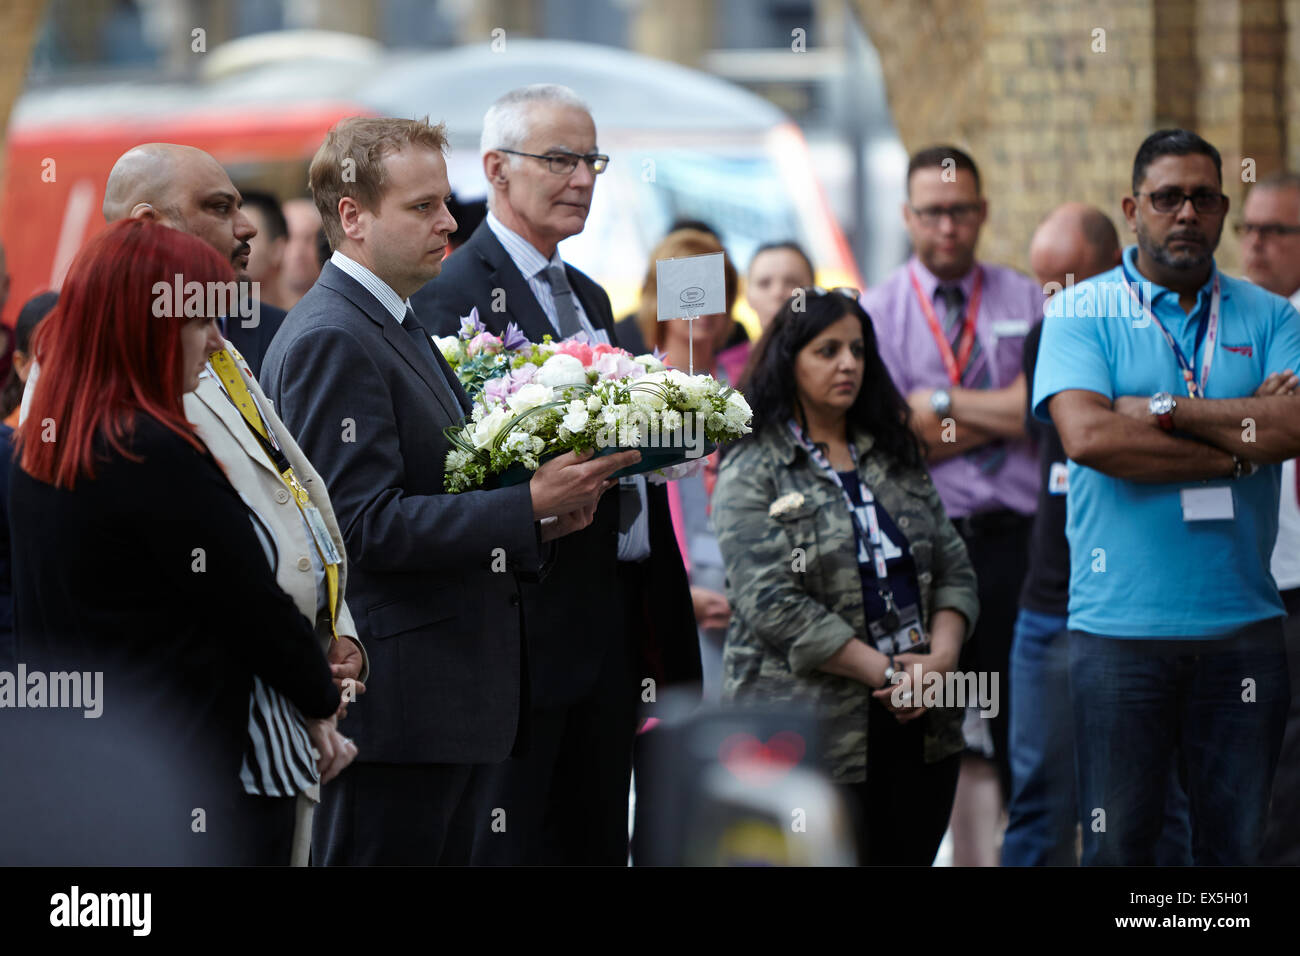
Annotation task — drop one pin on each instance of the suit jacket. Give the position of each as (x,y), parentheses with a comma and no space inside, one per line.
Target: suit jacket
(253,341)
(368,403)
(248,468)
(581,608)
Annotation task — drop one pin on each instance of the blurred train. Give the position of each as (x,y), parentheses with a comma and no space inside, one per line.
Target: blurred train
(683,144)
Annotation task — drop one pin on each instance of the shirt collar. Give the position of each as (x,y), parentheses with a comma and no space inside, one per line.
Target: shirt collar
(930,282)
(788,448)
(527,259)
(376,286)
(1129,263)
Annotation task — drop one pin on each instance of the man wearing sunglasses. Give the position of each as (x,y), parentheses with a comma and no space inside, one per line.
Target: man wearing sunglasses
(952,332)
(1270,245)
(565,798)
(1150,372)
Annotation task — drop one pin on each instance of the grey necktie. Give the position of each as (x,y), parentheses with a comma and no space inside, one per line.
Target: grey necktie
(566,314)
(954,301)
(418,332)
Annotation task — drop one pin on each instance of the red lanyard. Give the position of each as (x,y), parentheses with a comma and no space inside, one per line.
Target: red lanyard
(955,364)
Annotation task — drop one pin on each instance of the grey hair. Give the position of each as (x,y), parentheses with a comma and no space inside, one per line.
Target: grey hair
(506,123)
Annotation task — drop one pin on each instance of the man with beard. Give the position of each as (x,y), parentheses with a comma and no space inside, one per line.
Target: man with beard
(1175,624)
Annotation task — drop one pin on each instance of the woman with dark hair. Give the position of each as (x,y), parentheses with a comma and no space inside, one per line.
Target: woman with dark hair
(851,592)
(139,561)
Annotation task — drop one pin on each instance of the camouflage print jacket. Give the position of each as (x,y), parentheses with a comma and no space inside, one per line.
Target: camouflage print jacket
(796,593)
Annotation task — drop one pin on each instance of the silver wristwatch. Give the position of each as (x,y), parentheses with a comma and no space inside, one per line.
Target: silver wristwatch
(941,401)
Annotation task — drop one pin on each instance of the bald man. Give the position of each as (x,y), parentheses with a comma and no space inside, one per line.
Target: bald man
(187,189)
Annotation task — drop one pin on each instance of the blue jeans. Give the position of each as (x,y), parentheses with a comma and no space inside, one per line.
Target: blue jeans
(1042,810)
(1219,705)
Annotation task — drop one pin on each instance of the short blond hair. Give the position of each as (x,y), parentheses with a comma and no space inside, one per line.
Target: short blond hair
(351,163)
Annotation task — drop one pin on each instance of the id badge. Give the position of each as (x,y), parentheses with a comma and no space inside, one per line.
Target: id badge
(907,637)
(324,542)
(1058,478)
(1207,504)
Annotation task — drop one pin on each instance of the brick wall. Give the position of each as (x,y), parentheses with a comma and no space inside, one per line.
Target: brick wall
(1050,115)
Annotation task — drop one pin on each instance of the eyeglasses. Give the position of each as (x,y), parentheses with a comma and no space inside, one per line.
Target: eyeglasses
(1205,201)
(961,214)
(562,164)
(1264,230)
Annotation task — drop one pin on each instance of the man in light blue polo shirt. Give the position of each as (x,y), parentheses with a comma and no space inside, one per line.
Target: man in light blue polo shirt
(1150,373)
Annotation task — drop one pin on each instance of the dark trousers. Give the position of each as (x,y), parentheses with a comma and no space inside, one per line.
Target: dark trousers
(1219,705)
(1282,836)
(1042,813)
(903,806)
(266,831)
(564,799)
(377,814)
(998,544)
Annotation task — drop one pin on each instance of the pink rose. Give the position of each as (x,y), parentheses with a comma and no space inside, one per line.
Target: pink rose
(483,342)
(579,350)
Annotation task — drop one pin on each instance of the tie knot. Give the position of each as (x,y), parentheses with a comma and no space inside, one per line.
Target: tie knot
(951,295)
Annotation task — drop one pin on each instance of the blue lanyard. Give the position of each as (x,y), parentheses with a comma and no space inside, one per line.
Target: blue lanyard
(871,534)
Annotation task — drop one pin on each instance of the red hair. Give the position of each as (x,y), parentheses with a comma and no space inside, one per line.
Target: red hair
(105,356)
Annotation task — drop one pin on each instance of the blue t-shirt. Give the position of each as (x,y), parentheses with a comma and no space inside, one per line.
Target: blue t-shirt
(898,556)
(1137,569)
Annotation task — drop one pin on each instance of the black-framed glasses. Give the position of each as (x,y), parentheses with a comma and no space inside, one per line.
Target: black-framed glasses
(962,214)
(563,164)
(1204,201)
(1264,230)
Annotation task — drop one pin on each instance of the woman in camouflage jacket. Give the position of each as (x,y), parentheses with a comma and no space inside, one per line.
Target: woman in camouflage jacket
(802,590)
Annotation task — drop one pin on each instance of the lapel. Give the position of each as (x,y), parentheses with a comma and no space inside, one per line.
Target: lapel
(335,279)
(211,395)
(521,304)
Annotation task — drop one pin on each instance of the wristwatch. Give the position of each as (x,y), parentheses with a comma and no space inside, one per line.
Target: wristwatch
(1162,406)
(941,402)
(889,673)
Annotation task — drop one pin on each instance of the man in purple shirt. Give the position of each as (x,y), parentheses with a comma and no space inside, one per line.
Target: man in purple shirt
(951,331)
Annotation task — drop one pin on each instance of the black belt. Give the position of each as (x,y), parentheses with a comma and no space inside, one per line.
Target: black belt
(991,522)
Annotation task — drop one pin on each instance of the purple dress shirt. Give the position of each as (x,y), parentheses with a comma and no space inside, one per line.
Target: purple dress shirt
(1010,305)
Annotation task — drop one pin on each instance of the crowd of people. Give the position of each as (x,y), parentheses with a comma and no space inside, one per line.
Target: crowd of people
(1075,488)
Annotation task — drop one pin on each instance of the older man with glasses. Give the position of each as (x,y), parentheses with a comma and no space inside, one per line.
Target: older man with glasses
(951,333)
(1270,245)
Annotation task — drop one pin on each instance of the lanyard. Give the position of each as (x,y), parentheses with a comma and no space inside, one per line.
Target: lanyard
(228,373)
(1194,390)
(955,364)
(871,533)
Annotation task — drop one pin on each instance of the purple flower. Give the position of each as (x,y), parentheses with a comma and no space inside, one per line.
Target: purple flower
(659,355)
(497,389)
(470,326)
(513,339)
(523,375)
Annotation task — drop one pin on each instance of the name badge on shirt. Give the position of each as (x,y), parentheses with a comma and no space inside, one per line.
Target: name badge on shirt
(1207,504)
(1009,328)
(324,541)
(1058,478)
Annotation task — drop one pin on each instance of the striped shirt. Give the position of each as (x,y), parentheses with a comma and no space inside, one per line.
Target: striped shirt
(532,265)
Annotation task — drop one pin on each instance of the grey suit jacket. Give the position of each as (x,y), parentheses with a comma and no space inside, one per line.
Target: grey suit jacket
(368,403)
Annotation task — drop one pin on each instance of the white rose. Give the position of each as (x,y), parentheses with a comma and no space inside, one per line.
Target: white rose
(486,431)
(576,420)
(593,403)
(560,370)
(650,363)
(529,396)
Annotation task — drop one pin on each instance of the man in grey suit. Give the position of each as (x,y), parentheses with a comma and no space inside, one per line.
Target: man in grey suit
(435,577)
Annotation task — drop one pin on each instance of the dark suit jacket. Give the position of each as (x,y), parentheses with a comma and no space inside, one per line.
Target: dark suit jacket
(368,404)
(581,608)
(253,342)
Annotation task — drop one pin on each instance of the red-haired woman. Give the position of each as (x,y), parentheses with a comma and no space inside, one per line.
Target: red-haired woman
(137,557)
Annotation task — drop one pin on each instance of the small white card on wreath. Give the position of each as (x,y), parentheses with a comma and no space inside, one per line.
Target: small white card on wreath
(690,286)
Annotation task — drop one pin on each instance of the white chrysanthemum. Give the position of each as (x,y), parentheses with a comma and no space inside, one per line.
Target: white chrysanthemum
(670,420)
(629,435)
